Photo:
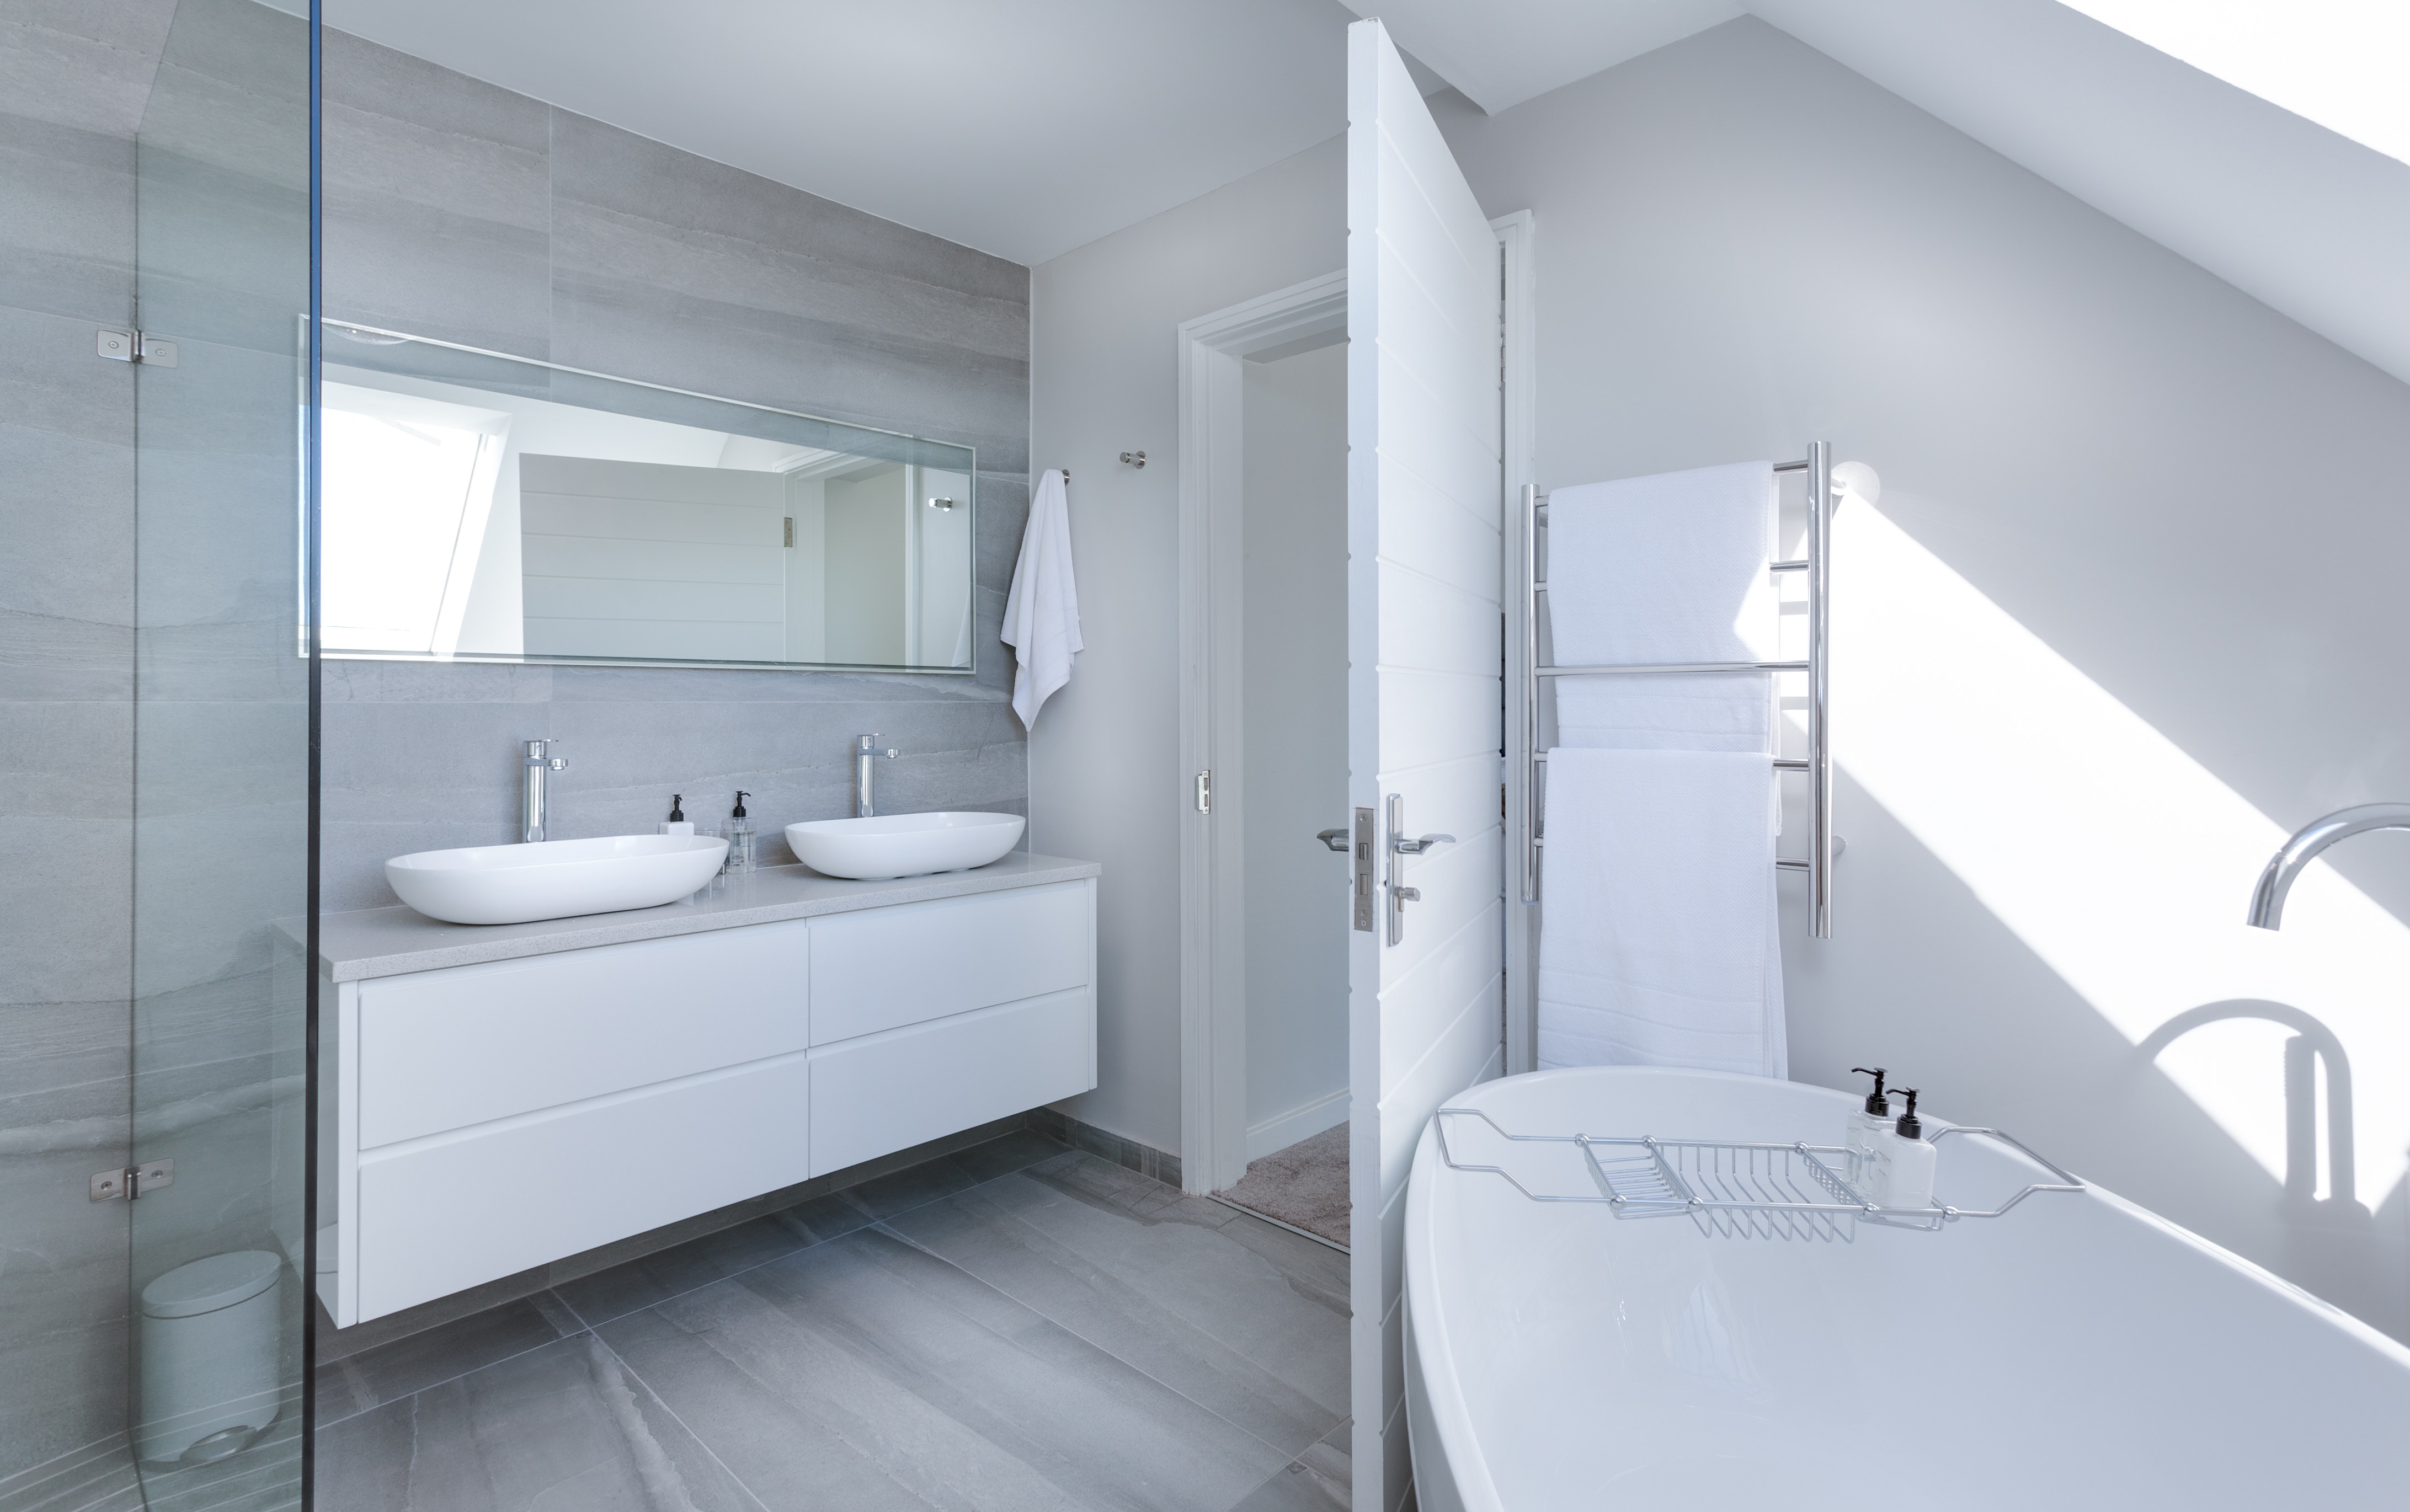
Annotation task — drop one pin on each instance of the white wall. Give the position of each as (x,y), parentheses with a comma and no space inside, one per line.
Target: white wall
(1294,724)
(1104,766)
(2157,532)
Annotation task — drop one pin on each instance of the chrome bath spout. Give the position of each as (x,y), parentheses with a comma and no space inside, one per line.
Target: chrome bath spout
(2268,898)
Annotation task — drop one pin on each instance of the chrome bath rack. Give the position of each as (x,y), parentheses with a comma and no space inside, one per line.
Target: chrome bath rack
(1735,1190)
(1817,763)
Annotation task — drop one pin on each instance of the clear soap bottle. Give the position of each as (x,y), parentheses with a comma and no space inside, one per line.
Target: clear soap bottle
(740,838)
(1868,1128)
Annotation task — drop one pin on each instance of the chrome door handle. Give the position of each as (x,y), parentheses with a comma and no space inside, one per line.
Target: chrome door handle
(1401,846)
(1335,839)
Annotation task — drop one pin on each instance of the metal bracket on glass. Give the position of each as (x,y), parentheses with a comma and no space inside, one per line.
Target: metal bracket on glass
(130,1182)
(133,346)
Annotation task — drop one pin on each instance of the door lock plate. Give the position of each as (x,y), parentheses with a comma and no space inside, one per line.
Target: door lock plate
(1364,882)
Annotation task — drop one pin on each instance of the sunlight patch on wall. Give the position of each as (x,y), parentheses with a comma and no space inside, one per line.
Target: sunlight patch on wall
(2339,63)
(2118,859)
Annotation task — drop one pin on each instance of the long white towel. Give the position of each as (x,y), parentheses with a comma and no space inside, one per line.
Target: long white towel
(1041,614)
(1670,568)
(1658,943)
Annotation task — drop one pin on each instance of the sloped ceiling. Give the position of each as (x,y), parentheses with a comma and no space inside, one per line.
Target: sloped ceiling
(2307,220)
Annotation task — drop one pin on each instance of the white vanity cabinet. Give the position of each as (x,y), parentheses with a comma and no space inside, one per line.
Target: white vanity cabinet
(490,1117)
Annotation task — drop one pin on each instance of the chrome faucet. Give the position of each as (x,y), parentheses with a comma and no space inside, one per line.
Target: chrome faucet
(538,761)
(2268,898)
(865,749)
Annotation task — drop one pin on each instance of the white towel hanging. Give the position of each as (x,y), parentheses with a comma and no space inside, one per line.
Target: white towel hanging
(1041,614)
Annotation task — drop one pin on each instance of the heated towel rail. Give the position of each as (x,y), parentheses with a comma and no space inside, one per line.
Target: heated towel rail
(1818,764)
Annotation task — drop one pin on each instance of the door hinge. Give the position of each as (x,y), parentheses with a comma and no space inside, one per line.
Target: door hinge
(133,346)
(130,1182)
(1205,793)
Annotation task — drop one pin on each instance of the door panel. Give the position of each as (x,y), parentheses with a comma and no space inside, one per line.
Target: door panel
(1426,1015)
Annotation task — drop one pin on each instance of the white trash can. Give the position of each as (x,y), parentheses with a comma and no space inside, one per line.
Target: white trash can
(209,1354)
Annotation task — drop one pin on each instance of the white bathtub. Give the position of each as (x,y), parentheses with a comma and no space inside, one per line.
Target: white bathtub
(2075,1352)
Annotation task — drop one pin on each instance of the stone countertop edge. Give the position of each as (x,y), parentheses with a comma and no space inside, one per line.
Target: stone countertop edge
(393,941)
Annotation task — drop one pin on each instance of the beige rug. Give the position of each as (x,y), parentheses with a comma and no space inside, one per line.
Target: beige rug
(1305,1184)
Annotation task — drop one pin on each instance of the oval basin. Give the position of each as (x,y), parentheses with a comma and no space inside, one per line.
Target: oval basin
(904,845)
(514,884)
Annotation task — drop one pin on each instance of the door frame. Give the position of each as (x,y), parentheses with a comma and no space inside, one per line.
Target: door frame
(1519,437)
(1213,351)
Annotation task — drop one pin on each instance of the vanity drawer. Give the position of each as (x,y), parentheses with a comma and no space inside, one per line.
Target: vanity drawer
(886,967)
(894,1090)
(449,1214)
(443,1050)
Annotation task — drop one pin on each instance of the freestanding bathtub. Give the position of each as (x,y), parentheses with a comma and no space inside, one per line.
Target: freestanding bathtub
(2076,1351)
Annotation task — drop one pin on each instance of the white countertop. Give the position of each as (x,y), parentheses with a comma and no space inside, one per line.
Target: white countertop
(388,943)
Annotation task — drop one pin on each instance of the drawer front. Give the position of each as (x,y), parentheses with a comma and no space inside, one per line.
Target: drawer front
(886,967)
(894,1090)
(443,1050)
(443,1216)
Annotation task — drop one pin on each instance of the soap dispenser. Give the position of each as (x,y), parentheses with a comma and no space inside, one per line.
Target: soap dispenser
(1868,1128)
(678,823)
(1904,1167)
(740,838)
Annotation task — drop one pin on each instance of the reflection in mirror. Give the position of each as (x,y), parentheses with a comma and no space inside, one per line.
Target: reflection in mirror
(479,507)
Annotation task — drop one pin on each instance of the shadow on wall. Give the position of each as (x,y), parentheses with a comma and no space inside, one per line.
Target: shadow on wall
(2114,869)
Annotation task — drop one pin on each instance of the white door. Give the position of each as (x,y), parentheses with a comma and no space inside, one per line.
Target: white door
(1425,983)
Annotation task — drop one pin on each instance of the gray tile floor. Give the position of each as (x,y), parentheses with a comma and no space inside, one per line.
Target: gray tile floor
(1015,1326)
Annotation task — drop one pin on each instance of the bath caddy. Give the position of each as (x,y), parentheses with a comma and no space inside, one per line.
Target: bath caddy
(1740,1190)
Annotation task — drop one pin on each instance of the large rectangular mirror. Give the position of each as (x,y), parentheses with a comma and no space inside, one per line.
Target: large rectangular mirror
(487,508)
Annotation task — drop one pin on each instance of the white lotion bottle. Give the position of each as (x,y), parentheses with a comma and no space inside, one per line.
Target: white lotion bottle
(1868,1128)
(678,823)
(1904,1167)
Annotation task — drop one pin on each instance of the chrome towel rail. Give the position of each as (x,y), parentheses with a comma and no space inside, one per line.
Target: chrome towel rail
(1818,764)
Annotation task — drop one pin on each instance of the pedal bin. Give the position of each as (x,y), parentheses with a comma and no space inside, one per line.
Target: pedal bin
(210,1352)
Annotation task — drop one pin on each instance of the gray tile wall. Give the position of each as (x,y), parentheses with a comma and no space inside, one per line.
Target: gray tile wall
(461,211)
(72,90)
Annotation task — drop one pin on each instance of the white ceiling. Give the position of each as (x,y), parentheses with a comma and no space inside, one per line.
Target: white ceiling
(1031,128)
(1024,129)
(1498,53)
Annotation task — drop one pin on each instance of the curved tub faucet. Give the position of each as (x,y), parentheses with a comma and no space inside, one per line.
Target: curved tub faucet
(2268,898)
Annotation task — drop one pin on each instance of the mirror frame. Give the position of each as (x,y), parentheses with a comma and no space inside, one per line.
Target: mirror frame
(310,589)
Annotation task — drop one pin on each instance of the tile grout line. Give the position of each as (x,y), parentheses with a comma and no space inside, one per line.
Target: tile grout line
(1114,1355)
(703,1444)
(1265,1218)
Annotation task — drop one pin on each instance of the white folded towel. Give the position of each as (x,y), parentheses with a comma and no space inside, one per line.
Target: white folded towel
(1670,568)
(1658,945)
(1041,614)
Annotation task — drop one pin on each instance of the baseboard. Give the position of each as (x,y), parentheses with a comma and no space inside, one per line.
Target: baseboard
(1297,1124)
(1145,1159)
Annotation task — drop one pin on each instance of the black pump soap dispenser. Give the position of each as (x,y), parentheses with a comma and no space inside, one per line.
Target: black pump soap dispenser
(678,823)
(1904,1168)
(1870,1126)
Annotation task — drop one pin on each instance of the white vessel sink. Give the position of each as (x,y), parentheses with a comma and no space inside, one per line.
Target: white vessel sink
(511,884)
(904,845)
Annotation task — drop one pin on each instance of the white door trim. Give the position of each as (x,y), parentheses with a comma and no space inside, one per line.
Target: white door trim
(1520,435)
(1213,940)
